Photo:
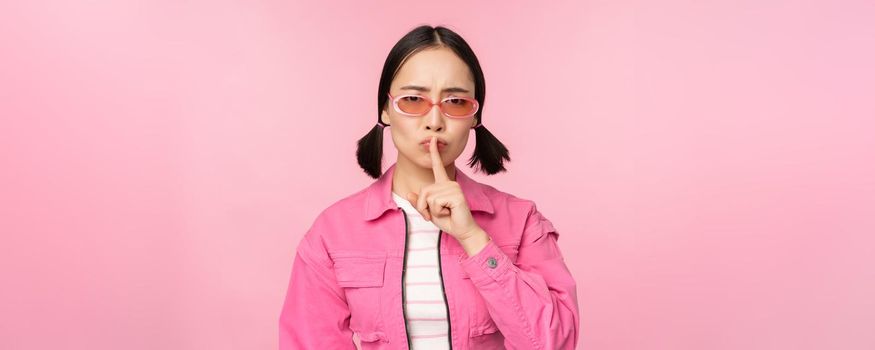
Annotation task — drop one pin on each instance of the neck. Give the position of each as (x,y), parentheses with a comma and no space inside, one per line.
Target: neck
(410,177)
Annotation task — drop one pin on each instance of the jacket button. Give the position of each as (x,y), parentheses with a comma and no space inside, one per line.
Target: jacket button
(492,262)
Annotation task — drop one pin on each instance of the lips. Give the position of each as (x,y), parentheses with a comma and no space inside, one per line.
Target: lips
(426,144)
(427,140)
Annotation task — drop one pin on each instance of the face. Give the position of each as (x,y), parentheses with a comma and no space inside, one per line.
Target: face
(430,73)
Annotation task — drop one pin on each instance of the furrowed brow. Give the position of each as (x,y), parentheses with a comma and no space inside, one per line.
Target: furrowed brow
(425,89)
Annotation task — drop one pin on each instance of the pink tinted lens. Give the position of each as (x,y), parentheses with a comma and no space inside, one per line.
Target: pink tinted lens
(458,107)
(413,104)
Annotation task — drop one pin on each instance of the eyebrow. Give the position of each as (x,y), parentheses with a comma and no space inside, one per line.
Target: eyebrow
(422,88)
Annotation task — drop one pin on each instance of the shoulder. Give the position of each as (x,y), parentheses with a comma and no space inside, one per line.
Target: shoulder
(331,225)
(523,212)
(504,201)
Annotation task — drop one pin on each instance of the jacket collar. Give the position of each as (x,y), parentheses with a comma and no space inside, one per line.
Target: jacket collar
(378,198)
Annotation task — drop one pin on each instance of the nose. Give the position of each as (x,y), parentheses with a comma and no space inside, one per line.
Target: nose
(435,118)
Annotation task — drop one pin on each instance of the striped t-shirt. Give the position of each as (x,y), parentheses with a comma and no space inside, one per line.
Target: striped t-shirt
(425,306)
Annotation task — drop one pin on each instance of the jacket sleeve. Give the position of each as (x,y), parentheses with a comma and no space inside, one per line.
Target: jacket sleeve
(533,302)
(315,314)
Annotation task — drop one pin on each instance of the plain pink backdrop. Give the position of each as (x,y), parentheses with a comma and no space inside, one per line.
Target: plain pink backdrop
(709,164)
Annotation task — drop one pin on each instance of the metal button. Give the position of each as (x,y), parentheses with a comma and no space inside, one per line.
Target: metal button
(492,262)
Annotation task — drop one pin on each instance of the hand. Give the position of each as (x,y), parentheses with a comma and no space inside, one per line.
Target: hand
(443,202)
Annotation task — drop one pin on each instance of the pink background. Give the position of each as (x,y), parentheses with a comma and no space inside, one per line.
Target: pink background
(709,164)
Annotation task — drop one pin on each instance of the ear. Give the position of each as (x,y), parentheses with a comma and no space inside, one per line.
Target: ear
(384,117)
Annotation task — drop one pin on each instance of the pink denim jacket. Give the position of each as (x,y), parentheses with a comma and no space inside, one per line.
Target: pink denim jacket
(516,293)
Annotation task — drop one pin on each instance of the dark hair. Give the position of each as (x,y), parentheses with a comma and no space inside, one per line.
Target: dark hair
(489,153)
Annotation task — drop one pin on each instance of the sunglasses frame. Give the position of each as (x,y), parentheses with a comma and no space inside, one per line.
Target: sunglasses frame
(395,100)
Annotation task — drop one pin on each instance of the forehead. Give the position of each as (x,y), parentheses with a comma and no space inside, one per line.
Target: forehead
(434,68)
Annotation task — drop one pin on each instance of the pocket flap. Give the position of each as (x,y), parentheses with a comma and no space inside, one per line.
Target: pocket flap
(489,328)
(359,268)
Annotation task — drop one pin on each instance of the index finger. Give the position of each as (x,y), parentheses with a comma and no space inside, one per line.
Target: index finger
(440,174)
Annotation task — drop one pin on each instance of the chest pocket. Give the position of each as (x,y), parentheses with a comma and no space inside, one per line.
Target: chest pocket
(361,273)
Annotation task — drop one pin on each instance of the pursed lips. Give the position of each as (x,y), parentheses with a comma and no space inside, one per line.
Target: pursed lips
(426,144)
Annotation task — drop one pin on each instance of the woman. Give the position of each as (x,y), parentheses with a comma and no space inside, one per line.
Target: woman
(426,257)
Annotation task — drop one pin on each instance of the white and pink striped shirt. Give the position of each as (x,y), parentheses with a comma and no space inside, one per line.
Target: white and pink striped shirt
(425,306)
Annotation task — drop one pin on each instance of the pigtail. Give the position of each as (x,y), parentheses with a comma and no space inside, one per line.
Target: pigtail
(370,152)
(489,153)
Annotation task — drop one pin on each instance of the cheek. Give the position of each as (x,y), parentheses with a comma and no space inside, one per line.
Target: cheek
(403,134)
(407,143)
(460,141)
(454,150)
(457,149)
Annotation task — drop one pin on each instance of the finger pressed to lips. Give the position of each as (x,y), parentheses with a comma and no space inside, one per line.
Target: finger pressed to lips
(426,147)
(440,175)
(437,165)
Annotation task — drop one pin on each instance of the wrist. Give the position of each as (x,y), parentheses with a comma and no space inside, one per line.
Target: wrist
(474,242)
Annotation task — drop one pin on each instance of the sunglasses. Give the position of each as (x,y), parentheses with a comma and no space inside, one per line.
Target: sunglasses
(418,105)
